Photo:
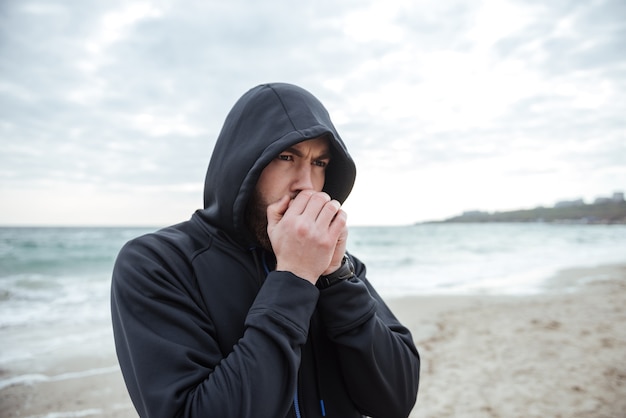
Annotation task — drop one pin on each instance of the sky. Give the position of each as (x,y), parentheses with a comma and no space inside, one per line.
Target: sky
(109,110)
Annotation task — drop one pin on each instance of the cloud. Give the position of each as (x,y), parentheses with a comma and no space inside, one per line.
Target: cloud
(126,98)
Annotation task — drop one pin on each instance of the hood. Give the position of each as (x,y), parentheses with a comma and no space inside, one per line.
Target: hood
(265,121)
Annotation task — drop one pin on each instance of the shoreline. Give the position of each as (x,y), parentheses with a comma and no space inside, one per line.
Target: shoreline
(558,353)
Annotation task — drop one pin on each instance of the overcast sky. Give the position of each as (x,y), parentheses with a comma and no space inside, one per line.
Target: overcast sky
(109,110)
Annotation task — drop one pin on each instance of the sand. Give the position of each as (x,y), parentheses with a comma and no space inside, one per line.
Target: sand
(558,354)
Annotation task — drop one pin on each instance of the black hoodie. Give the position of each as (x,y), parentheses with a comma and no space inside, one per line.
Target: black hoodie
(204,328)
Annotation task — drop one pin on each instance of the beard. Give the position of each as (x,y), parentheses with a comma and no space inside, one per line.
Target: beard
(256,220)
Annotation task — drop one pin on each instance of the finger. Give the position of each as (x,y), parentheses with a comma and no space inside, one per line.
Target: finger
(328,213)
(315,205)
(338,225)
(277,210)
(300,202)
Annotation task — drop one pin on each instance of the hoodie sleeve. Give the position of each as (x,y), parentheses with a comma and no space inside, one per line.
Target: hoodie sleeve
(167,348)
(378,358)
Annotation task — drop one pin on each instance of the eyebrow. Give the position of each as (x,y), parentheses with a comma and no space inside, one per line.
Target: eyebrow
(325,155)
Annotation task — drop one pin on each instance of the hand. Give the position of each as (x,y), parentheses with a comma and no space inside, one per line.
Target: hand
(340,249)
(307,234)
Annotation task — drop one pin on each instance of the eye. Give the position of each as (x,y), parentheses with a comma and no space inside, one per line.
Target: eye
(285,157)
(320,163)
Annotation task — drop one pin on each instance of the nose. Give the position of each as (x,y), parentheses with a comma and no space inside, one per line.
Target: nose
(304,178)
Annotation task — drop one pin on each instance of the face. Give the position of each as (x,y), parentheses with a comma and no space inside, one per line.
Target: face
(300,167)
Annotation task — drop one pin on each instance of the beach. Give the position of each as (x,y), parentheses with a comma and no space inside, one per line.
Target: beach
(559,353)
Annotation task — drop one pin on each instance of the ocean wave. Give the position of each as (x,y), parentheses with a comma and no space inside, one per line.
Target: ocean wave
(29,379)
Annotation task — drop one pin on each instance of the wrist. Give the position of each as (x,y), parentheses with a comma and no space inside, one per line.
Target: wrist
(331,269)
(344,272)
(297,271)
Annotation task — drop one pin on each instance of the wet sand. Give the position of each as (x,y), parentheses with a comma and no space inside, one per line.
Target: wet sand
(558,354)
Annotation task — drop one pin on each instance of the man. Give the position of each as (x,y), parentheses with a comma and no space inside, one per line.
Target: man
(253,308)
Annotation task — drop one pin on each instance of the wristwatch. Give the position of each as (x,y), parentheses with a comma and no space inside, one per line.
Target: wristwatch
(345,272)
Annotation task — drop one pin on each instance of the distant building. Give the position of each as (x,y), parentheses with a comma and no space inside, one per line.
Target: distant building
(569,203)
(617,197)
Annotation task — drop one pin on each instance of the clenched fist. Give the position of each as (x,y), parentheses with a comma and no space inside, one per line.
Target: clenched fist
(308,234)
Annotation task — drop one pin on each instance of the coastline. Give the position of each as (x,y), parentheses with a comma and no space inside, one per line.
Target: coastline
(558,353)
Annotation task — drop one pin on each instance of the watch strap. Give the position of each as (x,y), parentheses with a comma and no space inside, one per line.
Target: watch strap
(344,272)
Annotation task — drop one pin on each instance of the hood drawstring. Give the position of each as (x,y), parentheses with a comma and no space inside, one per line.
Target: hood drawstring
(263,270)
(318,371)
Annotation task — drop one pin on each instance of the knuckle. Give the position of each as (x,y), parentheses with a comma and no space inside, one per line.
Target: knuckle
(301,229)
(321,196)
(333,206)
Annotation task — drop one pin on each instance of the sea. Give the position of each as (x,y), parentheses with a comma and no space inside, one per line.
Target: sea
(62,275)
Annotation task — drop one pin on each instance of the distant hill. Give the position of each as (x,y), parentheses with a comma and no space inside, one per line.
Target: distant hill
(597,213)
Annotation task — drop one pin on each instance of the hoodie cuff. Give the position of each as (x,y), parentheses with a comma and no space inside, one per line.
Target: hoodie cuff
(345,306)
(287,301)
